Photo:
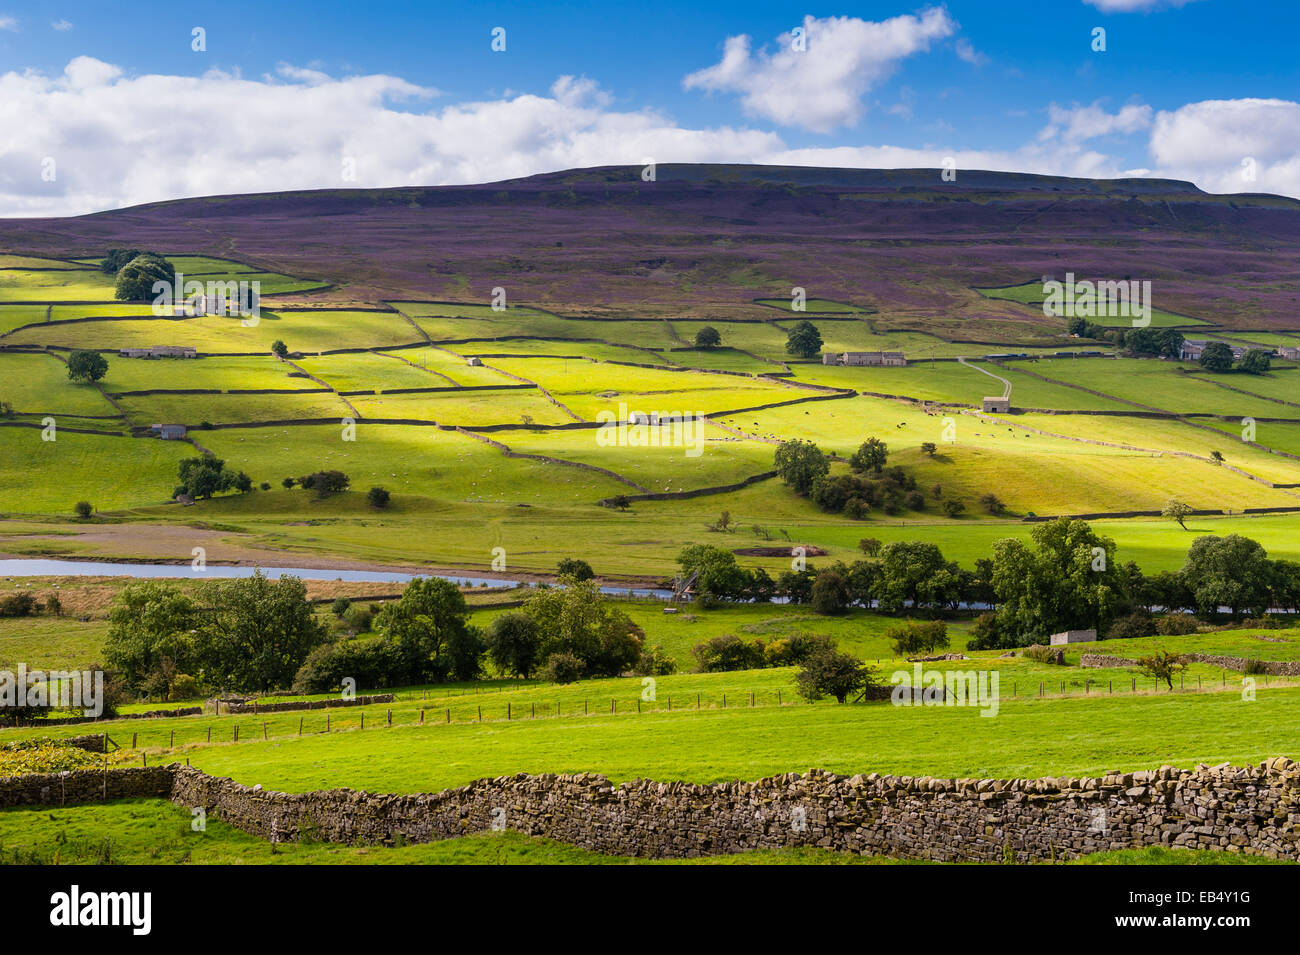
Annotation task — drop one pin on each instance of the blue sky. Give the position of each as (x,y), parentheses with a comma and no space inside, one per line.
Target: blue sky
(413,93)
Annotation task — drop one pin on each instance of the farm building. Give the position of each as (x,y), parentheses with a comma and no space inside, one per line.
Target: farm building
(159,351)
(1074,636)
(871,359)
(1291,353)
(998,405)
(1193,347)
(169,432)
(475,361)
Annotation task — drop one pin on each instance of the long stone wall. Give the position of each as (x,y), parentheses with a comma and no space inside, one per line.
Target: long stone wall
(1270,667)
(1252,810)
(287,705)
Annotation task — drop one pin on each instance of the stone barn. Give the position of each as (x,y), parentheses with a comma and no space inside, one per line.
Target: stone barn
(997,405)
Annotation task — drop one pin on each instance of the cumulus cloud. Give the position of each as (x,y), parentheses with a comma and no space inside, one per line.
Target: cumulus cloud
(94,138)
(112,140)
(821,85)
(1078,123)
(1241,145)
(8,23)
(968,53)
(62,25)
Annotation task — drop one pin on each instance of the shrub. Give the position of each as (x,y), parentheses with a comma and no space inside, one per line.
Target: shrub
(83,509)
(1176,624)
(1044,654)
(358,619)
(18,605)
(265,485)
(576,568)
(371,662)
(986,634)
(654,662)
(324,482)
(514,643)
(184,687)
(728,652)
(796,649)
(830,673)
(915,637)
(1253,667)
(340,606)
(992,504)
(869,546)
(1137,624)
(952,508)
(563,667)
(378,497)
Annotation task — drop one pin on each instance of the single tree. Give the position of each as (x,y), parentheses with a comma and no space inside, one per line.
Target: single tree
(378,497)
(992,504)
(83,509)
(828,672)
(800,463)
(85,365)
(1256,362)
(1216,356)
(1162,665)
(279,349)
(708,337)
(929,448)
(1176,510)
(513,643)
(803,340)
(870,456)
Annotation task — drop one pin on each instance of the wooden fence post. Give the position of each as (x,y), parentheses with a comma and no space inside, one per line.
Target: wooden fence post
(134,737)
(209,734)
(300,726)
(264,736)
(236,732)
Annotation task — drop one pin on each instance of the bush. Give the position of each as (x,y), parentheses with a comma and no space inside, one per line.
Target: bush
(915,637)
(728,652)
(1043,654)
(358,619)
(829,673)
(83,509)
(563,667)
(1137,624)
(265,485)
(986,634)
(18,605)
(654,662)
(576,568)
(378,497)
(1176,624)
(324,482)
(992,504)
(1254,668)
(371,662)
(830,593)
(796,649)
(184,687)
(340,606)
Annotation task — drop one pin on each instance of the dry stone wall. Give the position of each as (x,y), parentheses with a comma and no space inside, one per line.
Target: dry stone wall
(1252,810)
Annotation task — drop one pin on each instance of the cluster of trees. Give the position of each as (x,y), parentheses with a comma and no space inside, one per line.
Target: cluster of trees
(569,632)
(1218,357)
(136,276)
(1064,577)
(250,634)
(206,475)
(868,486)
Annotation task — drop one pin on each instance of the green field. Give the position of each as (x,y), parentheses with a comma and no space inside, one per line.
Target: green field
(1032,294)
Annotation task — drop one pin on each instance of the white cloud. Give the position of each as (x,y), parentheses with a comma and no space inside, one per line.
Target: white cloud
(8,23)
(1135,6)
(1080,123)
(119,140)
(822,86)
(1219,144)
(62,25)
(968,53)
